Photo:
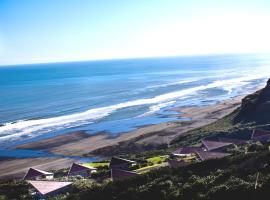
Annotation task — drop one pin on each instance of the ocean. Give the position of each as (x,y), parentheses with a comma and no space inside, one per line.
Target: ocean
(116,96)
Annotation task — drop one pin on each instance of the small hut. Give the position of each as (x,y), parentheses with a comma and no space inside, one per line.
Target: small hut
(260,135)
(81,170)
(117,174)
(120,163)
(185,151)
(37,174)
(232,140)
(208,155)
(216,146)
(45,189)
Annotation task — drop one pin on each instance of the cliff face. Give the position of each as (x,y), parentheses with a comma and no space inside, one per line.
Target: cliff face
(255,107)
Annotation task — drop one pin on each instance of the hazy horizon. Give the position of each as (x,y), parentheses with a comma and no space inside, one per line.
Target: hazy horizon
(71,31)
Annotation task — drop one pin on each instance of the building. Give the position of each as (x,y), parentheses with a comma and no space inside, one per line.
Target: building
(186,151)
(207,155)
(120,163)
(232,140)
(177,163)
(117,174)
(81,170)
(210,145)
(44,189)
(260,135)
(37,174)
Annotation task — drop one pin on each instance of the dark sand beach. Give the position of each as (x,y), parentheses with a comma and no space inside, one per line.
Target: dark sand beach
(80,143)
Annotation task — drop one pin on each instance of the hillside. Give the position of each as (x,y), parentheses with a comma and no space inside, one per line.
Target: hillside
(239,177)
(245,175)
(252,113)
(255,107)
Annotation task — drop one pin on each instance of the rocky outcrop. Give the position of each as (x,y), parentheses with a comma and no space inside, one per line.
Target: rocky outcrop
(255,107)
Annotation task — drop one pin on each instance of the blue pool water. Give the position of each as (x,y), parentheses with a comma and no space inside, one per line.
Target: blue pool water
(119,95)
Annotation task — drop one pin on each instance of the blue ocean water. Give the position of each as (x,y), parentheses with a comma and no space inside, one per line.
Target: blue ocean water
(116,96)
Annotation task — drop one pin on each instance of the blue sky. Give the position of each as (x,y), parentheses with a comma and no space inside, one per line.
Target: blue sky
(34,31)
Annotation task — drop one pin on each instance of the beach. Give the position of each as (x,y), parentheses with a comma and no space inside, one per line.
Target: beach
(59,113)
(104,145)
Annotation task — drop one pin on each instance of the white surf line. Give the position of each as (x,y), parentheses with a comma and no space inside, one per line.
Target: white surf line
(26,128)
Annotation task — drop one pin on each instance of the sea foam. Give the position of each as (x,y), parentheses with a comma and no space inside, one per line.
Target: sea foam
(31,128)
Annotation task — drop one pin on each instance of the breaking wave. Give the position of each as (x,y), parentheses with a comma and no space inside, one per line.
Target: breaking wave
(30,128)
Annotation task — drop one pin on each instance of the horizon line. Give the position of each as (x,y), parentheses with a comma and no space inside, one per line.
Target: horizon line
(130,58)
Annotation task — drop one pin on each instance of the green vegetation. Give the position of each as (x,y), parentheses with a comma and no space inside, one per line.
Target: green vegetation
(228,178)
(245,175)
(157,159)
(97,164)
(148,168)
(14,190)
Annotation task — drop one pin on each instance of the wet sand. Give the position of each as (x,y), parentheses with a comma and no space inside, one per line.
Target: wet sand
(144,138)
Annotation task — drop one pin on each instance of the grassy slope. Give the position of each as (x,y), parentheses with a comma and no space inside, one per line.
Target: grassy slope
(228,178)
(157,159)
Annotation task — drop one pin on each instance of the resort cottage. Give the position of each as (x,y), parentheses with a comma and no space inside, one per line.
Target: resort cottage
(120,163)
(207,155)
(45,189)
(210,145)
(260,135)
(186,151)
(37,174)
(81,170)
(232,140)
(117,174)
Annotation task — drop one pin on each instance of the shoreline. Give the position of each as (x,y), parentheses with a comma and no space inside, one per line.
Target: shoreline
(103,145)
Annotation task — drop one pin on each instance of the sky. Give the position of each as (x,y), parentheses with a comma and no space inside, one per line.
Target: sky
(41,31)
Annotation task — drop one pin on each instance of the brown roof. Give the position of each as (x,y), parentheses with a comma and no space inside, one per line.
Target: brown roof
(259,134)
(207,155)
(117,174)
(32,173)
(46,187)
(117,161)
(187,150)
(78,168)
(212,145)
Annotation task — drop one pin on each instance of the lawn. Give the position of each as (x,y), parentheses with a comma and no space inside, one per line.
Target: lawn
(157,159)
(148,168)
(97,164)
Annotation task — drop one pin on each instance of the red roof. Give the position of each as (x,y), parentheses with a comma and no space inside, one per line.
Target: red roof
(78,168)
(207,155)
(211,145)
(46,187)
(187,150)
(32,173)
(259,134)
(117,174)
